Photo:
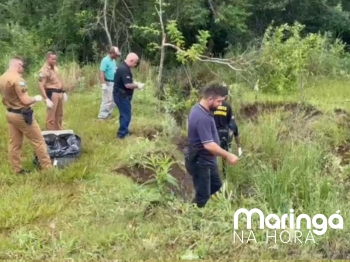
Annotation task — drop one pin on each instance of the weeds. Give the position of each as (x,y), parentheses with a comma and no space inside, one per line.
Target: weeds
(86,211)
(161,164)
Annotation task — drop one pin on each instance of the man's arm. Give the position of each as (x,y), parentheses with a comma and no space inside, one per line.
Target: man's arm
(42,83)
(21,91)
(205,135)
(103,68)
(102,77)
(126,78)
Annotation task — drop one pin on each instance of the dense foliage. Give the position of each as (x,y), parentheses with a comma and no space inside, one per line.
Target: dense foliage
(78,26)
(272,46)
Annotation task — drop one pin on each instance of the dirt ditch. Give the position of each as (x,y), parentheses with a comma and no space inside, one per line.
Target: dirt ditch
(307,112)
(341,112)
(151,133)
(181,142)
(252,111)
(140,175)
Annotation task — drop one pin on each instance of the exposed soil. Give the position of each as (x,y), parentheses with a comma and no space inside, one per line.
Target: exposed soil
(341,112)
(344,152)
(252,111)
(150,133)
(181,143)
(141,175)
(337,254)
(342,118)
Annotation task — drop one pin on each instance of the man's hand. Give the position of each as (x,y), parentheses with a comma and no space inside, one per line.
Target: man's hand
(232,159)
(38,98)
(103,86)
(49,103)
(240,151)
(139,85)
(65,97)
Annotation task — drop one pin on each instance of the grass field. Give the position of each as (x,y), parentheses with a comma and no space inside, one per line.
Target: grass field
(90,211)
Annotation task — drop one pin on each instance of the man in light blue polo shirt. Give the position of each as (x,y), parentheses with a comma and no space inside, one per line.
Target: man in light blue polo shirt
(107,70)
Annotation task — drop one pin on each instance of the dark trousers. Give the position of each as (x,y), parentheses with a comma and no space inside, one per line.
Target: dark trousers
(225,139)
(123,103)
(206,181)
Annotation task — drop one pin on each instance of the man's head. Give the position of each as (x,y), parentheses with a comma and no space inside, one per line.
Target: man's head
(114,52)
(132,60)
(51,58)
(17,64)
(214,94)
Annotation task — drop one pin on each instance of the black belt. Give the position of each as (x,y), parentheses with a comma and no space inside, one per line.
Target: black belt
(122,92)
(16,111)
(54,90)
(108,80)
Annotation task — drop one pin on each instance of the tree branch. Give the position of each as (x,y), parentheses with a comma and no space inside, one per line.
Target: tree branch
(211,7)
(162,47)
(227,62)
(127,7)
(105,22)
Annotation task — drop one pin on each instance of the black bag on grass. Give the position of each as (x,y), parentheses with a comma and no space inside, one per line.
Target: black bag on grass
(63,149)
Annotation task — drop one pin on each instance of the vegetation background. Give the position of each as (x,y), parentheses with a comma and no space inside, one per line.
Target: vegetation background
(287,65)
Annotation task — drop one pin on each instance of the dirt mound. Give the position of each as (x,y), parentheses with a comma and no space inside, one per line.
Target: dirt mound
(341,112)
(344,152)
(141,174)
(252,111)
(151,133)
(342,118)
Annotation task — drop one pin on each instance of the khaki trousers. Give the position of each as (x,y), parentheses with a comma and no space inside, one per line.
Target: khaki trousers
(54,115)
(18,128)
(107,103)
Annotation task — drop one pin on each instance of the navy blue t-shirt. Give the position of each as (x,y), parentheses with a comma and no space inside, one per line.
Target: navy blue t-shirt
(201,130)
(122,77)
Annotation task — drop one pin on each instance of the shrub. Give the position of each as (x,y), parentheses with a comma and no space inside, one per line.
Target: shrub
(286,56)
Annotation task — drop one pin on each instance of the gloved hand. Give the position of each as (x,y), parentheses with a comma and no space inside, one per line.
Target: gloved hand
(240,151)
(49,103)
(103,86)
(38,98)
(139,85)
(65,97)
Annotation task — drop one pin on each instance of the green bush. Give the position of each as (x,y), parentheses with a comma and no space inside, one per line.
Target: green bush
(15,40)
(286,57)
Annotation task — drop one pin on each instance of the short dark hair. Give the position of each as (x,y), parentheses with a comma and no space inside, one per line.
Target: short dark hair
(215,90)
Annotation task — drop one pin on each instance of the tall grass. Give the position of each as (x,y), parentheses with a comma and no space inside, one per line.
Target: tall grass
(88,211)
